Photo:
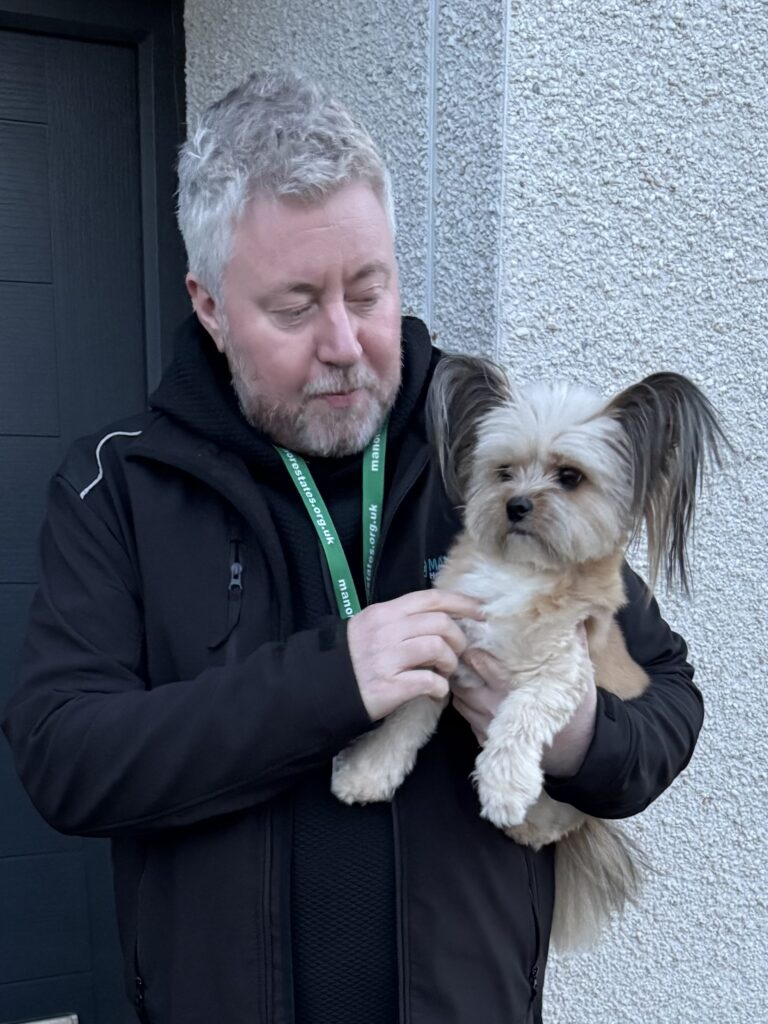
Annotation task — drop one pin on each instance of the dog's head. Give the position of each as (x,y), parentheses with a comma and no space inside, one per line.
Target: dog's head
(552,474)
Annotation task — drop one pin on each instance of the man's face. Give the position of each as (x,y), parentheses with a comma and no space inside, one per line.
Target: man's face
(309,319)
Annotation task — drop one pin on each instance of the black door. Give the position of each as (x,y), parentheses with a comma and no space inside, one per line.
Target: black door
(91,279)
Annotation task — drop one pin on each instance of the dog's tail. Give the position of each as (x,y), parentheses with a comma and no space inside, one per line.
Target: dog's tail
(598,870)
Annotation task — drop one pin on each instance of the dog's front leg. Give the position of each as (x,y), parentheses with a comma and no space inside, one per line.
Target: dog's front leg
(375,764)
(508,770)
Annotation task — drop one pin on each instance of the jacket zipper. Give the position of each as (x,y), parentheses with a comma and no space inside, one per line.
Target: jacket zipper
(138,998)
(266,917)
(402,934)
(139,985)
(234,601)
(533,973)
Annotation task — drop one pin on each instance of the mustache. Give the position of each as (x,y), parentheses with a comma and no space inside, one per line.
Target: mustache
(337,381)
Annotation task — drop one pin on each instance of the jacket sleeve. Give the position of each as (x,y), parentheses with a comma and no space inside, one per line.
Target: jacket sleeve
(101,754)
(641,745)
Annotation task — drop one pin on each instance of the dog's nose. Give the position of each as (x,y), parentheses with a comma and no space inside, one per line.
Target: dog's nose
(518,508)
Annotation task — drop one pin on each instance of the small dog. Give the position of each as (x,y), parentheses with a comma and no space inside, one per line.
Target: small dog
(555,482)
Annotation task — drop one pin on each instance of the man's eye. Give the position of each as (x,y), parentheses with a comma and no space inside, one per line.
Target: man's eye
(288,317)
(367,301)
(569,477)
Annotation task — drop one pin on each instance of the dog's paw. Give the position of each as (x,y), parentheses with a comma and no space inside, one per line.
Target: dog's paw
(532,834)
(366,777)
(507,788)
(548,821)
(504,810)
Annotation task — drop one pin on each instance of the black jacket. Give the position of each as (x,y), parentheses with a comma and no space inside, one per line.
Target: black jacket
(173,708)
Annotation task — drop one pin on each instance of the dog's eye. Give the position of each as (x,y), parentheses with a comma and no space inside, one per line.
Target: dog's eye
(569,477)
(504,472)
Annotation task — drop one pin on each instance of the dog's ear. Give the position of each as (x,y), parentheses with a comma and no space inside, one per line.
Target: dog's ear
(672,434)
(463,390)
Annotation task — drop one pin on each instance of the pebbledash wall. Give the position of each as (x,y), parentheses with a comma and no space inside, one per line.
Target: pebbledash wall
(582,192)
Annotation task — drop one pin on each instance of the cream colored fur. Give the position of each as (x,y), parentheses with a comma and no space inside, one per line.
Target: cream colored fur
(554,482)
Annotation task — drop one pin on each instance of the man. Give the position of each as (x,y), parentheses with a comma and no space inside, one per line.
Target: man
(192,667)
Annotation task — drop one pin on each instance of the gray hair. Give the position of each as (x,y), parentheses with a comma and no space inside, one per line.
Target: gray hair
(279,134)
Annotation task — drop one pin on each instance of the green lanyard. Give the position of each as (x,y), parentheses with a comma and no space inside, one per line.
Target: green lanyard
(373,497)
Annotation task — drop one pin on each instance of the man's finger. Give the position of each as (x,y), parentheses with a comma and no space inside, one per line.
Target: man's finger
(428,652)
(423,682)
(492,671)
(436,624)
(460,606)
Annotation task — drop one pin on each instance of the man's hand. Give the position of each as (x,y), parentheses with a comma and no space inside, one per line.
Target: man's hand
(479,705)
(408,647)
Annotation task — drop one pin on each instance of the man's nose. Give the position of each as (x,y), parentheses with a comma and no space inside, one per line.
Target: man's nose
(337,341)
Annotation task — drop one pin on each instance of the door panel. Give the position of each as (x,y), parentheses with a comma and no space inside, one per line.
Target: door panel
(96,221)
(46,896)
(23,92)
(28,463)
(28,369)
(82,218)
(25,251)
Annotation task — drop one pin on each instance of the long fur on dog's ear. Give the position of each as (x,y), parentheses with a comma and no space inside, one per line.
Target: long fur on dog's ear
(672,433)
(464,388)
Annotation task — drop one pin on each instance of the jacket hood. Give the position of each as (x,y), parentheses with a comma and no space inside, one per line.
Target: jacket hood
(196,390)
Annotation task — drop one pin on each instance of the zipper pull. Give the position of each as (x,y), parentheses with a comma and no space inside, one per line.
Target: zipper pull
(236,576)
(234,595)
(236,568)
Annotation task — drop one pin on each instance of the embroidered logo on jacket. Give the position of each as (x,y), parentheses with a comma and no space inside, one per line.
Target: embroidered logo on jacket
(432,566)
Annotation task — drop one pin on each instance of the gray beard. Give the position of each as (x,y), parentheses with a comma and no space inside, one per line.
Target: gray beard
(310,428)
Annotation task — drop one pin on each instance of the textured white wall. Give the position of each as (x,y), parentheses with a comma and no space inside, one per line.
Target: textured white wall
(582,191)
(634,239)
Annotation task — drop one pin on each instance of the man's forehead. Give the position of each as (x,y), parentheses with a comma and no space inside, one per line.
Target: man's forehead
(292,245)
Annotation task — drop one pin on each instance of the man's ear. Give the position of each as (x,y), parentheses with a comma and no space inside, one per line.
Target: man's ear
(207,310)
